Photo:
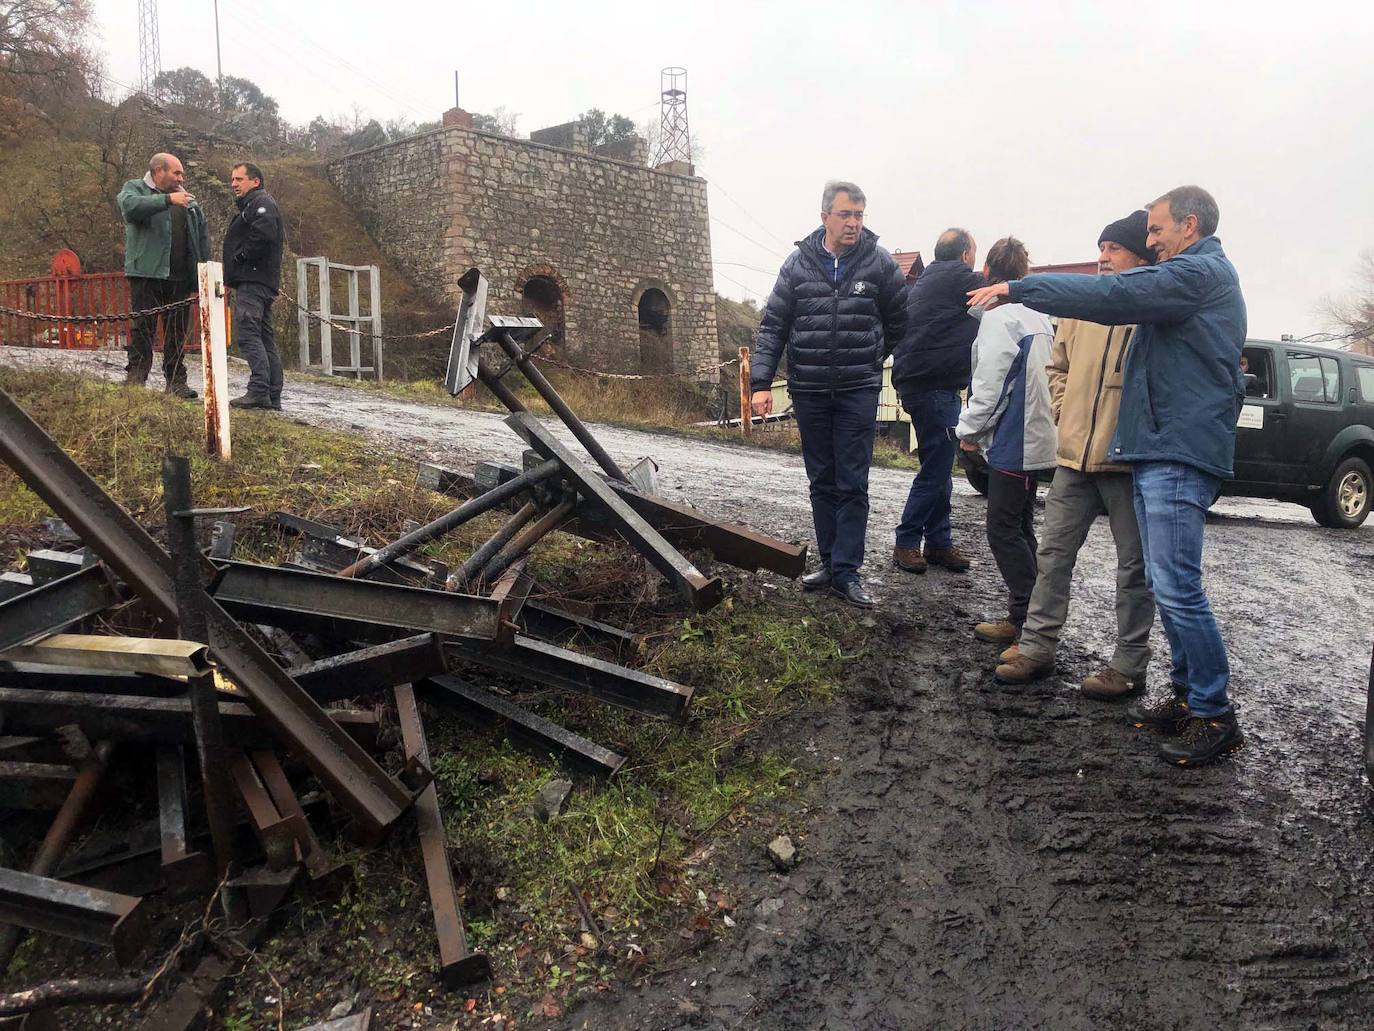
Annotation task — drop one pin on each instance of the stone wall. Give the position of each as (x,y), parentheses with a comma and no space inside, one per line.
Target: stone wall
(533,217)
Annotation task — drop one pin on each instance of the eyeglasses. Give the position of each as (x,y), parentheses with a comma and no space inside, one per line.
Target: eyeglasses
(846,216)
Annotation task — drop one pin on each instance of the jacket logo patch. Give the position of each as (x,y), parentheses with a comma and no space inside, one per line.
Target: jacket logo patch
(860,288)
(262,211)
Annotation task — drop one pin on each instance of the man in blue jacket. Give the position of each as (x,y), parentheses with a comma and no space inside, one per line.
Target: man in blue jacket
(837,310)
(1181,397)
(930,366)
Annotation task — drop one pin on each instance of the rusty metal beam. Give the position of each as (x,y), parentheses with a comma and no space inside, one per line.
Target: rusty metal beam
(679,524)
(525,730)
(74,911)
(154,720)
(323,545)
(465,512)
(349,608)
(60,833)
(485,552)
(699,591)
(26,785)
(549,665)
(280,835)
(368,670)
(317,864)
(56,605)
(375,799)
(558,626)
(457,966)
(181,865)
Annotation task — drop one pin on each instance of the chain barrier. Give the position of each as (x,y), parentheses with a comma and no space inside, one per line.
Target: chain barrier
(437,331)
(42,316)
(631,376)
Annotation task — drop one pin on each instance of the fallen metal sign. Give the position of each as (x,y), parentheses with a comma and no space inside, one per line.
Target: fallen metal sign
(354,608)
(74,911)
(457,965)
(700,591)
(55,606)
(526,730)
(374,798)
(558,667)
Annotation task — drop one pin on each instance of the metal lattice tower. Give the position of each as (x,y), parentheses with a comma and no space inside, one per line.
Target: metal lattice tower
(149,49)
(674,140)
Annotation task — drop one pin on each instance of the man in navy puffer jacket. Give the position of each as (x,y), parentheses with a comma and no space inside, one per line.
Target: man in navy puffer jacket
(837,310)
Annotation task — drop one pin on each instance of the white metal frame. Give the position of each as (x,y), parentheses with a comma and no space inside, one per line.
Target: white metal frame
(323,269)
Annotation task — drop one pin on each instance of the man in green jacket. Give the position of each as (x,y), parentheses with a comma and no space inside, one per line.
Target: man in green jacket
(165,238)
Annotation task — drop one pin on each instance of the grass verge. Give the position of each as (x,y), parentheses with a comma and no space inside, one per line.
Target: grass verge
(624,878)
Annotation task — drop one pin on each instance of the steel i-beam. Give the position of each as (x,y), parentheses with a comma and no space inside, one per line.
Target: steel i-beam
(73,911)
(700,591)
(457,965)
(375,799)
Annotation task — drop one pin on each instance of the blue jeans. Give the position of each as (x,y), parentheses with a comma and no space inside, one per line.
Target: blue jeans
(1171,501)
(837,431)
(926,516)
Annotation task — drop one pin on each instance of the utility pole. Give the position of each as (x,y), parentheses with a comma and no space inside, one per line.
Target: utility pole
(455,89)
(219,67)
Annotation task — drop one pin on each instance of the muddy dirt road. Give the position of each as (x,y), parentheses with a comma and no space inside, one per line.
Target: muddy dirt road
(974,856)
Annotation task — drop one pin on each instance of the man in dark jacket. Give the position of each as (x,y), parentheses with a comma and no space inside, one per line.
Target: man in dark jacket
(165,238)
(837,309)
(1181,396)
(252,267)
(929,368)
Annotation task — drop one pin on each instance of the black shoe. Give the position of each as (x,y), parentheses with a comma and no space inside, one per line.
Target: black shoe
(179,388)
(1167,714)
(275,404)
(1202,740)
(854,593)
(817,581)
(248,401)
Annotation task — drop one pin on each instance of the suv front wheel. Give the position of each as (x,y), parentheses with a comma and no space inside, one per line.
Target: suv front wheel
(1344,502)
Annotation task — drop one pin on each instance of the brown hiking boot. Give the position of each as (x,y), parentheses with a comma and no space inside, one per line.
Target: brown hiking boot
(1009,653)
(1002,632)
(1022,669)
(1109,684)
(951,558)
(909,560)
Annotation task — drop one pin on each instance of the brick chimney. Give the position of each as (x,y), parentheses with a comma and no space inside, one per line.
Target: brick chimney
(457,116)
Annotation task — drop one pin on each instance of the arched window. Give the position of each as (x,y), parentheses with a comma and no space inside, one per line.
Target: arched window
(542,297)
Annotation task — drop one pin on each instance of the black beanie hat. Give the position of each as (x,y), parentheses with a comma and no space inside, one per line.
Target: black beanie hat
(1130,232)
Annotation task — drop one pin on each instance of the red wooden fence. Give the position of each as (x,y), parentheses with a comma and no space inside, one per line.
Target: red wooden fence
(95,293)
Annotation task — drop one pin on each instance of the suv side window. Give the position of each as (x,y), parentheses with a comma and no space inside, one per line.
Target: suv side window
(1366,375)
(1314,379)
(1259,363)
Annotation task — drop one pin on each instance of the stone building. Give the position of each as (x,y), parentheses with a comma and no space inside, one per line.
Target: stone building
(612,253)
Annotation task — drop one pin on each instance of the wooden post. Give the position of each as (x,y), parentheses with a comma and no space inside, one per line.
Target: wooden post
(302,307)
(746,408)
(214,358)
(375,284)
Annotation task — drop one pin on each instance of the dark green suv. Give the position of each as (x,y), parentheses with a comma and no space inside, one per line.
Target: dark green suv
(1306,431)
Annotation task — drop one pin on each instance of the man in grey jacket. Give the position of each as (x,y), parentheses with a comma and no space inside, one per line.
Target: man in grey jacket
(165,238)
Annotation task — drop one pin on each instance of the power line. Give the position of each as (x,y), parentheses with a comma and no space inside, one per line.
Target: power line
(740,264)
(747,214)
(725,225)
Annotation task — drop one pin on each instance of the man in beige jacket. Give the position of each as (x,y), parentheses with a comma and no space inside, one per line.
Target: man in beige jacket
(1085,368)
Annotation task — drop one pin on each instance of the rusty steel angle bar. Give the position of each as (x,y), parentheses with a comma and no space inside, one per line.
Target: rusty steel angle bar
(375,799)
(700,591)
(324,546)
(457,965)
(74,911)
(558,626)
(280,834)
(56,605)
(181,866)
(296,598)
(26,785)
(526,730)
(553,666)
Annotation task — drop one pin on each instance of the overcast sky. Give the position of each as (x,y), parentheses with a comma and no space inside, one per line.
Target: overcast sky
(1044,119)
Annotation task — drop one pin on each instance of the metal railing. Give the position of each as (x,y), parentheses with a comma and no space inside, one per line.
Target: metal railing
(80,296)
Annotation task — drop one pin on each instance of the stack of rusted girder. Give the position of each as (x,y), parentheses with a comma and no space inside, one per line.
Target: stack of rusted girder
(263,734)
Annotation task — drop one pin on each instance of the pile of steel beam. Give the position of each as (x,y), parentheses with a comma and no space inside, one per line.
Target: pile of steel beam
(258,688)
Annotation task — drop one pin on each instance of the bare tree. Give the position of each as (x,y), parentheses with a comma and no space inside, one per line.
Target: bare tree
(1353,315)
